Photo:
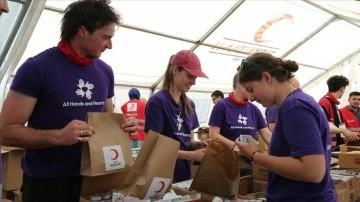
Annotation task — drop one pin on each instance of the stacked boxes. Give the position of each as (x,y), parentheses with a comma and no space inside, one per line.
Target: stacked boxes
(12,172)
(203,133)
(347,186)
(349,157)
(347,179)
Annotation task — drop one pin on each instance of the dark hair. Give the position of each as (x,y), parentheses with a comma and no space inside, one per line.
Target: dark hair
(218,93)
(92,14)
(252,68)
(235,80)
(169,81)
(354,93)
(336,82)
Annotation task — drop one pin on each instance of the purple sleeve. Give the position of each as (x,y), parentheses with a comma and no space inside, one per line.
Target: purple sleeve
(27,79)
(112,83)
(302,132)
(154,115)
(260,119)
(271,114)
(217,114)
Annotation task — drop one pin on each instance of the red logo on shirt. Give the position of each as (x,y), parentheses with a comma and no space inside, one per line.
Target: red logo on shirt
(357,160)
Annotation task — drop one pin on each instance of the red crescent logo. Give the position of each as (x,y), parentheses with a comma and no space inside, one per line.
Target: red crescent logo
(116,154)
(357,160)
(161,187)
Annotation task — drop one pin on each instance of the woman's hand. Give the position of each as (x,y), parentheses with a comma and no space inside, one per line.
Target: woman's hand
(198,154)
(194,145)
(247,148)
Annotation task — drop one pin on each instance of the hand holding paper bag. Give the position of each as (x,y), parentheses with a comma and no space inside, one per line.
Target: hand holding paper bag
(219,162)
(108,150)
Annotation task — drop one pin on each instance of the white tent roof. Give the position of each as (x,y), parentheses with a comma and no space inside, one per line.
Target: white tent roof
(320,35)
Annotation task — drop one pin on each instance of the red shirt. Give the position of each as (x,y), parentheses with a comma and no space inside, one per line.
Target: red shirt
(325,103)
(135,108)
(350,120)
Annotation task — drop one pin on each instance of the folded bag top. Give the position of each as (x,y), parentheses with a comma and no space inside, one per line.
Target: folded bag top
(220,163)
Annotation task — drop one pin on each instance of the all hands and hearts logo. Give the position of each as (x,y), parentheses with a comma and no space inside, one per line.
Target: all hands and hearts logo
(242,119)
(84,89)
(114,157)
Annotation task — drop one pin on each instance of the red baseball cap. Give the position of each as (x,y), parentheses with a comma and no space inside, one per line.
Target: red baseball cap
(189,61)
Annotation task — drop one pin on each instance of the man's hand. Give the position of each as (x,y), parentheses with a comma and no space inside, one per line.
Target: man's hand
(351,136)
(130,125)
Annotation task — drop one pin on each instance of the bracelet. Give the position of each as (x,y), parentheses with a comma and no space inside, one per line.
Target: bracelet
(252,155)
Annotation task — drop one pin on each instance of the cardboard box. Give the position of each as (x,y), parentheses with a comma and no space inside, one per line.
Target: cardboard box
(342,194)
(12,172)
(17,196)
(203,133)
(353,195)
(101,184)
(262,144)
(259,186)
(349,159)
(350,182)
(346,148)
(259,172)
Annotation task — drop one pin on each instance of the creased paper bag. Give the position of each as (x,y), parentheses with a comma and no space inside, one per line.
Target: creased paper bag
(108,150)
(218,173)
(153,169)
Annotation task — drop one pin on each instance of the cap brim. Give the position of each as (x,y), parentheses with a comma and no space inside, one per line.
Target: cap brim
(197,73)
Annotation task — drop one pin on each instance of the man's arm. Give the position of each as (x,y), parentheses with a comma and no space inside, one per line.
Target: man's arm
(17,109)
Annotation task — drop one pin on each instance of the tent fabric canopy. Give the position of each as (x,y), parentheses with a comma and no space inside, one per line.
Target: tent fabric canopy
(321,36)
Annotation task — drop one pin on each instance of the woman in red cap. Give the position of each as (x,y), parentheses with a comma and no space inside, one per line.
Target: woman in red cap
(171,113)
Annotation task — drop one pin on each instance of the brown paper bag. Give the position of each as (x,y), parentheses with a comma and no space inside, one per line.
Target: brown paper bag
(108,150)
(153,169)
(218,173)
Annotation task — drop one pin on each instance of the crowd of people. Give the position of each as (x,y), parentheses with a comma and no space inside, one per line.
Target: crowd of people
(34,115)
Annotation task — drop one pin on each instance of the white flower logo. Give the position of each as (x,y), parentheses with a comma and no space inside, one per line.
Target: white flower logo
(84,89)
(242,119)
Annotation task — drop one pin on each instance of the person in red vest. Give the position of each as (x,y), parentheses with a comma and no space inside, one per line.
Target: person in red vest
(336,85)
(135,108)
(351,112)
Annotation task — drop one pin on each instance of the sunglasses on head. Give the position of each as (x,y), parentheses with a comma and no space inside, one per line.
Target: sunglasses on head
(247,61)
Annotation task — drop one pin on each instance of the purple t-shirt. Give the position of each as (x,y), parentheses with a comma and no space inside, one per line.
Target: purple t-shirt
(301,129)
(271,113)
(64,92)
(163,115)
(234,120)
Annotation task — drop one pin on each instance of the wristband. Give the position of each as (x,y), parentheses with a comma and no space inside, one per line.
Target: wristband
(252,155)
